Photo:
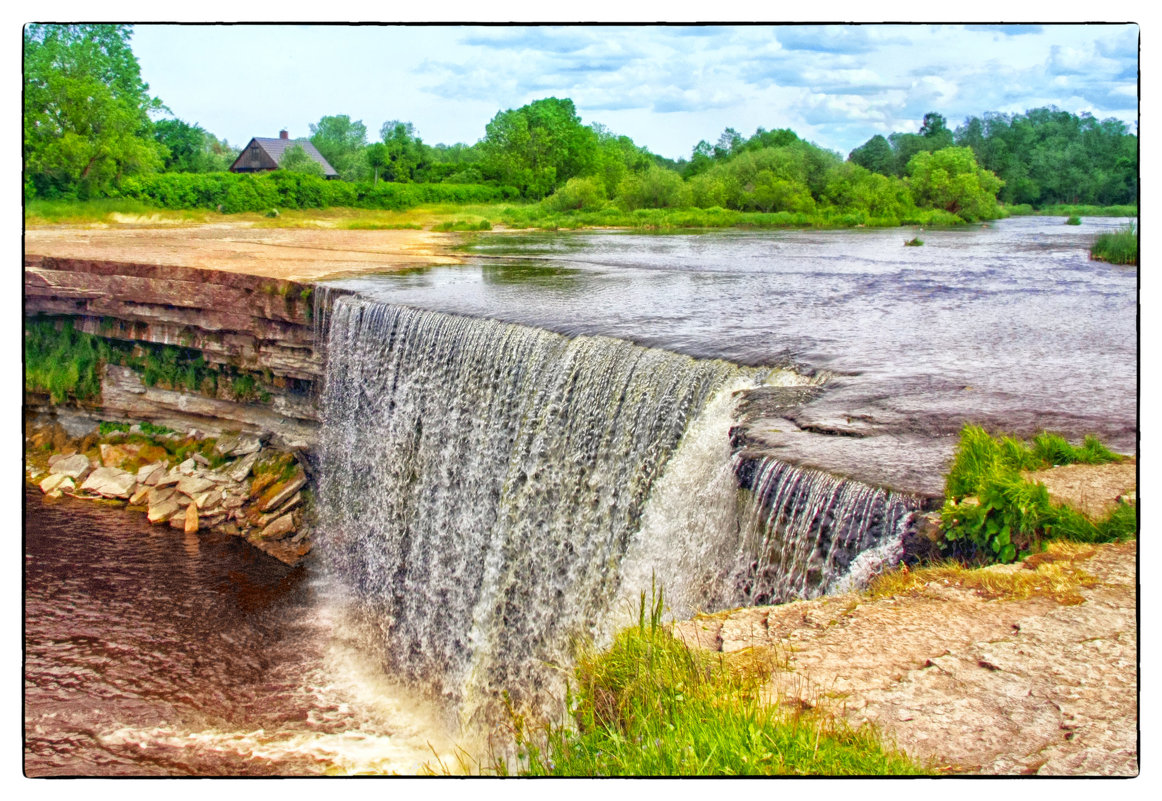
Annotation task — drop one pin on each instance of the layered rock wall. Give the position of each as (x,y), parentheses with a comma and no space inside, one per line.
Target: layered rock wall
(261,328)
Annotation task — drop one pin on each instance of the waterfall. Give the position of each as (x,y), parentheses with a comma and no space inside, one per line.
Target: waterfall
(492,494)
(811,533)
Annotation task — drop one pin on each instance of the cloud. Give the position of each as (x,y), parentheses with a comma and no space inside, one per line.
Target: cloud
(551,40)
(1007,30)
(825,39)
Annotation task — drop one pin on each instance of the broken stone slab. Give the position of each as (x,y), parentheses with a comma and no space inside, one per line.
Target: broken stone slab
(116,455)
(241,469)
(208,500)
(76,467)
(56,483)
(238,444)
(182,499)
(58,457)
(110,482)
(169,479)
(191,522)
(278,528)
(200,459)
(231,501)
(293,486)
(140,495)
(151,473)
(282,510)
(163,511)
(188,467)
(159,494)
(194,485)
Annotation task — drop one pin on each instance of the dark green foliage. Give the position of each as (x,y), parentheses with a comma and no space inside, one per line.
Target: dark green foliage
(341,141)
(538,147)
(649,706)
(61,361)
(107,427)
(463,225)
(1116,247)
(190,148)
(86,111)
(232,193)
(1010,515)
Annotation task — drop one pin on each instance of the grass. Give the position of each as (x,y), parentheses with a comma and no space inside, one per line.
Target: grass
(108,211)
(914,243)
(61,361)
(1072,210)
(1116,247)
(991,513)
(1073,219)
(1052,573)
(649,706)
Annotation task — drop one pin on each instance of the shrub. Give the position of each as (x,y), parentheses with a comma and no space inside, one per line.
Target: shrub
(914,242)
(1116,247)
(1073,219)
(991,513)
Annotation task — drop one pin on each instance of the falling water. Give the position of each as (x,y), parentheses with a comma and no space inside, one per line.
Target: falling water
(812,533)
(493,494)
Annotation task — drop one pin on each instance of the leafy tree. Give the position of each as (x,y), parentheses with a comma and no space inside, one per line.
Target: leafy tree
(934,130)
(377,159)
(876,155)
(86,110)
(950,179)
(406,152)
(296,159)
(538,147)
(190,148)
(341,141)
(656,188)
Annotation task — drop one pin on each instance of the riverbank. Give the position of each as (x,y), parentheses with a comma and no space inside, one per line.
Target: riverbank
(971,679)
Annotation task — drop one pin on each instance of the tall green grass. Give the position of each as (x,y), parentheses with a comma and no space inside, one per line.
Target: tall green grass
(649,706)
(1116,247)
(991,513)
(61,361)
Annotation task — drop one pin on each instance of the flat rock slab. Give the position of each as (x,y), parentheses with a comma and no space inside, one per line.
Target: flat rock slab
(110,482)
(972,685)
(75,467)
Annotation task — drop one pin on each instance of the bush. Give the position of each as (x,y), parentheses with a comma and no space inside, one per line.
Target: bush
(1073,219)
(991,513)
(1116,247)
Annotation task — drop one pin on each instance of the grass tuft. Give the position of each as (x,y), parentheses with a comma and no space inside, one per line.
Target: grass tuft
(1116,247)
(649,706)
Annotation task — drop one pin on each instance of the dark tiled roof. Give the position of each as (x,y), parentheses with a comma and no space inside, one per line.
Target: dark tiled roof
(276,148)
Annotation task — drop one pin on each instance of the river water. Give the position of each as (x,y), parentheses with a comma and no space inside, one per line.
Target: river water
(150,652)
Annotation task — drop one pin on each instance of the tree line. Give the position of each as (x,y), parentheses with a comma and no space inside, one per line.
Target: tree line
(90,131)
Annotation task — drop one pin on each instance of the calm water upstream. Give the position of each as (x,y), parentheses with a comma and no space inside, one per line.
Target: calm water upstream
(1009,325)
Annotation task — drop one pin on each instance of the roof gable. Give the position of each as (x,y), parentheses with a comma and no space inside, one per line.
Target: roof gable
(273,149)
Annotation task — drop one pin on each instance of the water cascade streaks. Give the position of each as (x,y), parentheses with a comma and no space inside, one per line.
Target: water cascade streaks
(482,482)
(811,533)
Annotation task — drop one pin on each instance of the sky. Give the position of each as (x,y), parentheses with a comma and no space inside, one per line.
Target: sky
(667,87)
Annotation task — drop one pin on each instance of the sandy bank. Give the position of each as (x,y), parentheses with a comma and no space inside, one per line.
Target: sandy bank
(299,254)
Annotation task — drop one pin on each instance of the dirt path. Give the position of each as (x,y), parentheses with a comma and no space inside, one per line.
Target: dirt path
(972,684)
(301,254)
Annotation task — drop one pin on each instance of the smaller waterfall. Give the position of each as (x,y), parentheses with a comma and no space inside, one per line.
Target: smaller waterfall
(812,533)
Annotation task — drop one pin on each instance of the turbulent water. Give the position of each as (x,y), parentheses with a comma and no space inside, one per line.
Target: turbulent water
(483,483)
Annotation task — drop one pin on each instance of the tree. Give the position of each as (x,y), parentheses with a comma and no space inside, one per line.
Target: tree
(190,148)
(876,155)
(377,160)
(538,147)
(296,159)
(341,141)
(950,179)
(86,110)
(406,152)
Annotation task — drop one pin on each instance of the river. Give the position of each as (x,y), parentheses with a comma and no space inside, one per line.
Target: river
(150,652)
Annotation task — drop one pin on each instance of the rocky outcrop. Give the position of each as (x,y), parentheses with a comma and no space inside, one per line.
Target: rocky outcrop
(245,325)
(256,492)
(960,678)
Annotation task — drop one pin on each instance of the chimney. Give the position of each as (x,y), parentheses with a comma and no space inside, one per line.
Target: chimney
(283,135)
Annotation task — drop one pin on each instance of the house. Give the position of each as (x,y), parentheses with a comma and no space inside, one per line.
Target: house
(264,154)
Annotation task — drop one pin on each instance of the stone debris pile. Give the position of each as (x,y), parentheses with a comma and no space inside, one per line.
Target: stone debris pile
(235,484)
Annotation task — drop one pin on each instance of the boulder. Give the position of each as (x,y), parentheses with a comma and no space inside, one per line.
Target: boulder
(76,467)
(193,485)
(191,525)
(280,497)
(57,457)
(162,511)
(200,459)
(282,510)
(56,483)
(151,473)
(159,494)
(169,479)
(110,482)
(140,495)
(241,469)
(116,455)
(279,528)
